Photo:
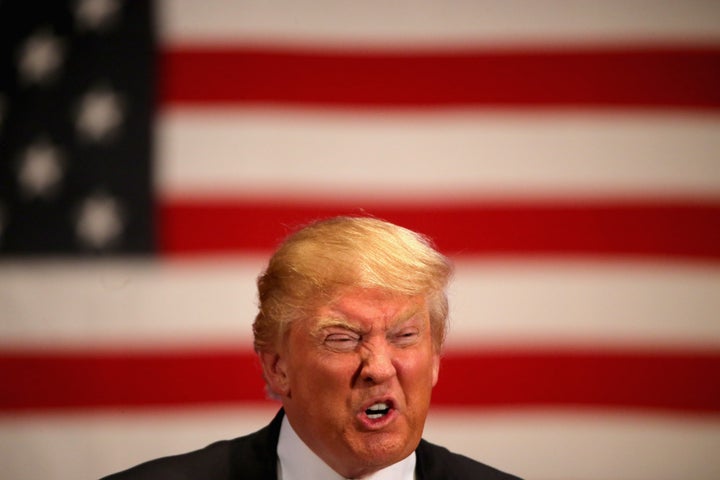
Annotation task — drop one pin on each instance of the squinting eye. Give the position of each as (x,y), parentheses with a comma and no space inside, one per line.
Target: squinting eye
(342,341)
(407,337)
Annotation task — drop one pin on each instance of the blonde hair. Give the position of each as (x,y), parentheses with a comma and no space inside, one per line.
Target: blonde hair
(318,261)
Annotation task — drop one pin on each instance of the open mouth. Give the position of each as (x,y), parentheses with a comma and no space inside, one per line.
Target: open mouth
(378,410)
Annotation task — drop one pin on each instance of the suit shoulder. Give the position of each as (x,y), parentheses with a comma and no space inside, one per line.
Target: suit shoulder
(438,462)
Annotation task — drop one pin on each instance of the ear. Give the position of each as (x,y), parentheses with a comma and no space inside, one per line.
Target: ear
(435,368)
(275,373)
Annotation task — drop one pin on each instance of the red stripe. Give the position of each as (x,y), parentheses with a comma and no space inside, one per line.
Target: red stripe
(96,379)
(636,77)
(666,381)
(644,229)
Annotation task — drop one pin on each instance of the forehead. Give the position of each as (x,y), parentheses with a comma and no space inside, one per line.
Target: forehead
(365,306)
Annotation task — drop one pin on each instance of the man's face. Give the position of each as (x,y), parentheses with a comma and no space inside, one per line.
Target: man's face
(356,379)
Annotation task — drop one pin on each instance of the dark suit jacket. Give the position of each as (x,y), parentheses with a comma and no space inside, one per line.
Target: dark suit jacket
(255,457)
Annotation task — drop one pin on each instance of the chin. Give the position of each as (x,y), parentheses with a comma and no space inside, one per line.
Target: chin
(371,452)
(383,449)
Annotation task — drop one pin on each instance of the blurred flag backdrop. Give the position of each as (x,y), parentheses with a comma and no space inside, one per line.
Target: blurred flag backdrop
(565,154)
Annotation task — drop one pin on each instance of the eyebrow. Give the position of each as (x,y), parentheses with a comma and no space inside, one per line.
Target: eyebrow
(405,316)
(342,322)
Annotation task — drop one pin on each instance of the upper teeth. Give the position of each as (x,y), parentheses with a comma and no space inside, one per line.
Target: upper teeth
(377,410)
(378,406)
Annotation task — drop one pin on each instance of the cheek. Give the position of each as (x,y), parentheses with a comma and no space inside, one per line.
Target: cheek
(327,374)
(419,369)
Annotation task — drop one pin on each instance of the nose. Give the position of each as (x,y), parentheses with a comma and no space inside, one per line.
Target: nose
(377,364)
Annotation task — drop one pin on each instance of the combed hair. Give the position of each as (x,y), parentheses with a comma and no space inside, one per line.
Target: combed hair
(317,262)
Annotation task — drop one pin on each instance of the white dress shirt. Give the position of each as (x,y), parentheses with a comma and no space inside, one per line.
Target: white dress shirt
(297,462)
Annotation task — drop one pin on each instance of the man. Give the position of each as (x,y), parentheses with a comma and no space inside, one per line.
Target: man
(352,317)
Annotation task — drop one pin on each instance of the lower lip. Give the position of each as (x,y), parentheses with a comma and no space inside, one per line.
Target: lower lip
(377,423)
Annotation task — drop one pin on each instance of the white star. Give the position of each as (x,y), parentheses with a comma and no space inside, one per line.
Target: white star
(99,221)
(99,115)
(96,14)
(40,170)
(40,57)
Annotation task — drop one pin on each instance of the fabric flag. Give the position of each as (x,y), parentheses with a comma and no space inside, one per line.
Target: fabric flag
(563,154)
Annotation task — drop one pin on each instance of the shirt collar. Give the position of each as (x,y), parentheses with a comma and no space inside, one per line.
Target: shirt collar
(296,461)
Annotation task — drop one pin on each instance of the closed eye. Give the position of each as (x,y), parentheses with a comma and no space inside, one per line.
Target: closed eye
(343,342)
(406,337)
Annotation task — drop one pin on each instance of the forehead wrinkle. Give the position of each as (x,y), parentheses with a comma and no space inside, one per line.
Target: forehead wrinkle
(343,320)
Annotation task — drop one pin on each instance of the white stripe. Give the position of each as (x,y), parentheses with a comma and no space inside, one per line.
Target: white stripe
(493,303)
(127,303)
(577,304)
(439,155)
(541,445)
(416,23)
(545,445)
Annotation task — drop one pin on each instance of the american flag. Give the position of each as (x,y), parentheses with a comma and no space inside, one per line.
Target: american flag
(565,154)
